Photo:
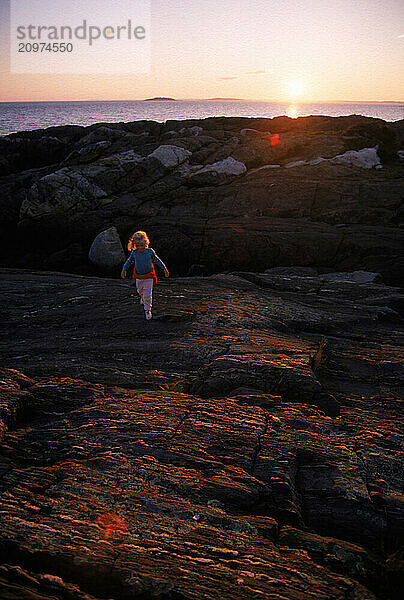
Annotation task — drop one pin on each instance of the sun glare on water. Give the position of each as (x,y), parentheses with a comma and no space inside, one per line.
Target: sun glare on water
(292,111)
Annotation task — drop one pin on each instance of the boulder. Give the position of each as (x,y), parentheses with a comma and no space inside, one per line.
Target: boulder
(170,156)
(227,166)
(367,158)
(223,170)
(106,251)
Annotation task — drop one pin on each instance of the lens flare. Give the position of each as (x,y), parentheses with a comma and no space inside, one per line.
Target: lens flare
(110,523)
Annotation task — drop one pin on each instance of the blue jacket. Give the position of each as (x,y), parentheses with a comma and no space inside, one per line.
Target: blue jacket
(143,261)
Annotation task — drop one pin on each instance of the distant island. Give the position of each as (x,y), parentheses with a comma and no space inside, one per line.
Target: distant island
(161,98)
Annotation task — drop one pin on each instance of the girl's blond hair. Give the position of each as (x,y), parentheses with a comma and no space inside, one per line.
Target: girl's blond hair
(139,238)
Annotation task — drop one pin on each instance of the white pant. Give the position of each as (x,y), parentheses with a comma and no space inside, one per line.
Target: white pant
(145,288)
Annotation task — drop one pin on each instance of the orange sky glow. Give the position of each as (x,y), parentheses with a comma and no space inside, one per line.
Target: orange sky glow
(289,51)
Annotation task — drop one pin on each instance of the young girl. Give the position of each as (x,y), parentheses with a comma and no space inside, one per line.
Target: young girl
(143,259)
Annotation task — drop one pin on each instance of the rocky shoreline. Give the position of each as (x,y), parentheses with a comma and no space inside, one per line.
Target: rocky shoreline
(217,194)
(246,443)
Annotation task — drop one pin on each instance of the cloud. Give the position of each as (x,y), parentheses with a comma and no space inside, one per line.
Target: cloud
(260,72)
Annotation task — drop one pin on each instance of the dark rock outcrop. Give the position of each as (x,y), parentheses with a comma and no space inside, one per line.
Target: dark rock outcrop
(212,195)
(246,443)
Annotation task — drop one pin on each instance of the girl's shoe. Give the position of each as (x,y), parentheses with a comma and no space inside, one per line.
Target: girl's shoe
(148,315)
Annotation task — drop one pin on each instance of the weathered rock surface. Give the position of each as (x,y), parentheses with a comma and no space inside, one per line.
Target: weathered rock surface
(214,194)
(246,443)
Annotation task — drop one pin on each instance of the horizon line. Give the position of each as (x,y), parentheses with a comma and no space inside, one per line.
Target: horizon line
(224,99)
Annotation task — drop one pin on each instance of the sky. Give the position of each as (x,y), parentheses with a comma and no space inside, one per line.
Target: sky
(283,50)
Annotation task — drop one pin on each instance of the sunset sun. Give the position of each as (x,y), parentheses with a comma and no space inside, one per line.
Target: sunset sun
(295,88)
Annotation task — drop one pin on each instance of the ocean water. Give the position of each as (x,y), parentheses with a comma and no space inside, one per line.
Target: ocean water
(22,116)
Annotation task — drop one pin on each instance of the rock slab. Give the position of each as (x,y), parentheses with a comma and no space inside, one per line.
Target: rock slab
(246,443)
